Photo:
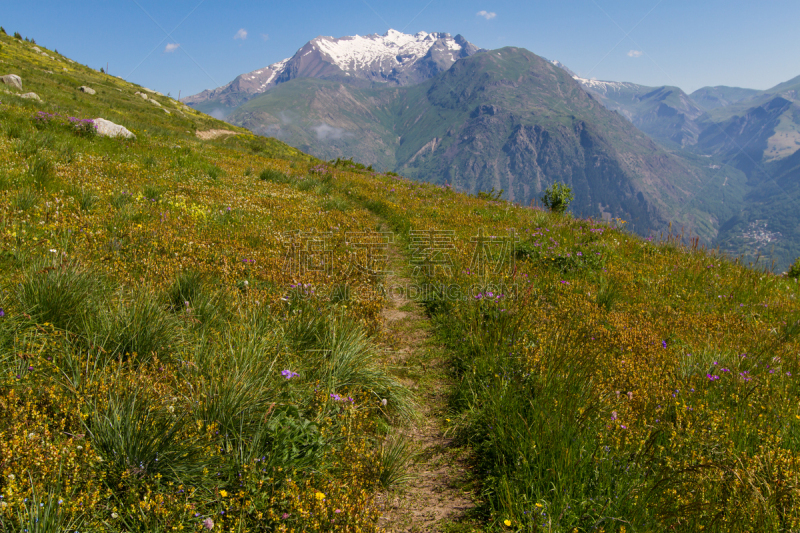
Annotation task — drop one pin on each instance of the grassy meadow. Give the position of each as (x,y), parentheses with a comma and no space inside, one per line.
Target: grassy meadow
(186,342)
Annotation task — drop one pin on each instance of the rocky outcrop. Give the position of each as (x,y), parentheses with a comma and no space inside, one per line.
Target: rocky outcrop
(31,96)
(106,128)
(13,80)
(87,90)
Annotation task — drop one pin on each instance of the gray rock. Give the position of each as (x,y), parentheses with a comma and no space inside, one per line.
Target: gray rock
(12,79)
(144,96)
(87,90)
(31,96)
(106,128)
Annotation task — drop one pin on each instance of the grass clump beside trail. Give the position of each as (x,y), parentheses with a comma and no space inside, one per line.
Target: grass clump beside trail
(189,338)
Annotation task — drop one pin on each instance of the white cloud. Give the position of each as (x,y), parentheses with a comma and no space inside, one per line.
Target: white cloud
(171,47)
(265,37)
(635,53)
(488,15)
(241,34)
(325,132)
(218,114)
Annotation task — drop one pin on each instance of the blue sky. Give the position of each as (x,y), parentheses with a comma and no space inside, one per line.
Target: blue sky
(189,46)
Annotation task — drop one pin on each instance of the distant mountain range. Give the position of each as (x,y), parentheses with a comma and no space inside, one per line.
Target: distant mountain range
(722,162)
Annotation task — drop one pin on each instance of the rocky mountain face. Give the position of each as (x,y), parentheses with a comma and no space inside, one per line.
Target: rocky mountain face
(506,119)
(395,59)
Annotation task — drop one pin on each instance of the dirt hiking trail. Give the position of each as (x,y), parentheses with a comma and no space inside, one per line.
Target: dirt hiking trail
(439,494)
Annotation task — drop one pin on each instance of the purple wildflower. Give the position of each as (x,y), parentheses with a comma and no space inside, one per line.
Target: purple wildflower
(288,374)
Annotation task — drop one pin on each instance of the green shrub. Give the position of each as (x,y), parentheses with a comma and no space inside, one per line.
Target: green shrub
(491,195)
(794,270)
(557,197)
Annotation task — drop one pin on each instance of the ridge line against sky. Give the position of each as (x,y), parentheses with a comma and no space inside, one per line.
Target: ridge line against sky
(671,42)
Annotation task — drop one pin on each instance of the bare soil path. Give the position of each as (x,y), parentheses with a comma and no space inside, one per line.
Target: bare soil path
(440,494)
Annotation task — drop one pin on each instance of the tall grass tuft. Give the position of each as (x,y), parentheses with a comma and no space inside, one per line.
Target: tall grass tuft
(136,326)
(42,173)
(273,175)
(185,290)
(138,438)
(396,455)
(25,199)
(61,294)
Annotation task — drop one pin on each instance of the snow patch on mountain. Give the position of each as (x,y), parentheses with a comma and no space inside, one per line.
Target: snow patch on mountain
(604,86)
(362,52)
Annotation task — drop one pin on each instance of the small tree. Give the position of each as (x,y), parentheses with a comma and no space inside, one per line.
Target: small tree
(557,197)
(794,270)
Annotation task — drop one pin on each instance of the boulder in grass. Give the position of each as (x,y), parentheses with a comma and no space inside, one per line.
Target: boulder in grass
(13,80)
(31,96)
(144,96)
(106,128)
(87,90)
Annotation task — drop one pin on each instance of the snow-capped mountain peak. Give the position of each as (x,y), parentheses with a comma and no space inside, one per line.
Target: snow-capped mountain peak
(393,58)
